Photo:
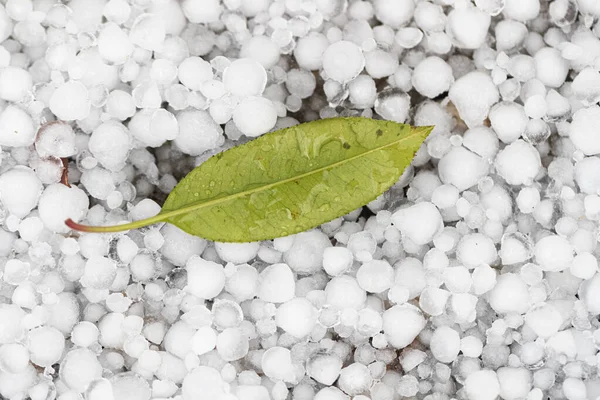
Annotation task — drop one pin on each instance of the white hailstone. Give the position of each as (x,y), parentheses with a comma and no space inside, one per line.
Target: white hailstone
(237,253)
(462,168)
(178,339)
(583,132)
(99,273)
(11,318)
(510,295)
(203,381)
(276,284)
(393,104)
(411,275)
(46,345)
(544,319)
(193,72)
(402,324)
(305,255)
(110,145)
(337,260)
(129,386)
(482,141)
(58,203)
(471,346)
(56,140)
(355,379)
(420,223)
(468,27)
(309,51)
(362,91)
(574,389)
(262,49)
(232,344)
(300,83)
(331,393)
(588,293)
(245,77)
(584,266)
(445,196)
(20,190)
(433,300)
(482,385)
(553,253)
(445,344)
(551,68)
(120,105)
(297,317)
(205,279)
(17,129)
(179,246)
(432,77)
(201,13)
(375,276)
(250,392)
(515,383)
(344,292)
(204,340)
(98,182)
(392,13)
(343,61)
(14,358)
(15,83)
(198,132)
(587,175)
(148,32)
(324,368)
(430,17)
(521,10)
(409,37)
(518,163)
(515,248)
(242,284)
(79,368)
(276,363)
(508,120)
(362,245)
(380,64)
(255,116)
(527,199)
(476,249)
(85,334)
(457,279)
(473,94)
(510,34)
(70,101)
(114,44)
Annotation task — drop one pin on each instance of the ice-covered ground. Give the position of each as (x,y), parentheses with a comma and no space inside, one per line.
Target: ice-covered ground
(475,277)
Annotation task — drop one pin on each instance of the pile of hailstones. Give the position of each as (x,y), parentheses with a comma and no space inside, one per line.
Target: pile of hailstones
(475,277)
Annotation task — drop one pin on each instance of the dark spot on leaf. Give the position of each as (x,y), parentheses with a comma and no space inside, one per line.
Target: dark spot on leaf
(346,145)
(379,132)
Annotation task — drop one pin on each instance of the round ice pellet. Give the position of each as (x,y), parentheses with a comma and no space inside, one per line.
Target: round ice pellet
(46,345)
(343,61)
(245,77)
(193,72)
(17,128)
(432,77)
(70,101)
(255,116)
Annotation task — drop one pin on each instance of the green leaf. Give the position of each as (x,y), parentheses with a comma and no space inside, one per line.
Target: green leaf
(290,180)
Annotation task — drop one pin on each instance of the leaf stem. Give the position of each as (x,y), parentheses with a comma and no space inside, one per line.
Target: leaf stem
(113,228)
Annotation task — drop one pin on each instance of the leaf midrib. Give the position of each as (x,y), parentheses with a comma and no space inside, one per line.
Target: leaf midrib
(203,204)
